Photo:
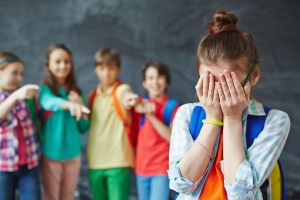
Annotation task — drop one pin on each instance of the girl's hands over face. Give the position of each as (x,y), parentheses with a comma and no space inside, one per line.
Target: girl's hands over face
(233,97)
(209,97)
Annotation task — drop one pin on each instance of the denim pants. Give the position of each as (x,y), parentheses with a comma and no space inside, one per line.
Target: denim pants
(25,180)
(153,187)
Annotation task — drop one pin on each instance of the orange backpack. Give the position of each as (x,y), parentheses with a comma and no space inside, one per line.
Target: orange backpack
(129,118)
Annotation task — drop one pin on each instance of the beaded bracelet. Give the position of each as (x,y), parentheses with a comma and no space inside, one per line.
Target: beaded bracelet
(210,155)
(215,122)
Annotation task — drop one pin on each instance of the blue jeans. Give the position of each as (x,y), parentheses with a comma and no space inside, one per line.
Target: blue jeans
(25,180)
(153,187)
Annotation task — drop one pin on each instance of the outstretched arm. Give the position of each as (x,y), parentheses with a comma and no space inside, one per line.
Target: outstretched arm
(25,92)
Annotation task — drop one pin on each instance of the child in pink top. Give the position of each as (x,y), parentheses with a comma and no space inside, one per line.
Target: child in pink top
(19,146)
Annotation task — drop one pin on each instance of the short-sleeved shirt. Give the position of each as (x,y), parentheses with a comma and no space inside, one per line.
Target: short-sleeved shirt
(108,144)
(152,157)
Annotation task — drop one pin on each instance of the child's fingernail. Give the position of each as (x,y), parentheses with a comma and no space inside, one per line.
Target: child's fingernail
(232,73)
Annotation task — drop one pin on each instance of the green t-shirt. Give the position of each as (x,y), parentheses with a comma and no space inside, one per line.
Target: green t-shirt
(61,131)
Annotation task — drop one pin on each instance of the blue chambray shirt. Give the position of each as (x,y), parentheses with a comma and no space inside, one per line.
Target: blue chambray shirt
(253,171)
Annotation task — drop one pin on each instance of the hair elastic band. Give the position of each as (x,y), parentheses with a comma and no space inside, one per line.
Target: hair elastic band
(215,122)
(11,58)
(211,156)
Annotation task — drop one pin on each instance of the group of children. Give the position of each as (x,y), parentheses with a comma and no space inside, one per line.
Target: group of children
(223,147)
(50,118)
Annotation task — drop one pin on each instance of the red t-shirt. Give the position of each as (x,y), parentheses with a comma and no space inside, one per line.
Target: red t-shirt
(152,152)
(22,145)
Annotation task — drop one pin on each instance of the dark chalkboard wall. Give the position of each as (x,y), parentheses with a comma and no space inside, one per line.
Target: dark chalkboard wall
(168,31)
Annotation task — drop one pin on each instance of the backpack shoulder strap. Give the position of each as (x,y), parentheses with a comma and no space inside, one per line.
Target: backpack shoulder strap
(255,124)
(34,109)
(118,105)
(92,98)
(142,121)
(196,124)
(168,111)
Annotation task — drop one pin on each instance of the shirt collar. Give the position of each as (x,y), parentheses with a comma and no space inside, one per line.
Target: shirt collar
(108,91)
(254,108)
(162,100)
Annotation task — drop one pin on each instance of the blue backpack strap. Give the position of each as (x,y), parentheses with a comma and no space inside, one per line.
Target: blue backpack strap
(176,196)
(196,124)
(168,111)
(252,131)
(142,121)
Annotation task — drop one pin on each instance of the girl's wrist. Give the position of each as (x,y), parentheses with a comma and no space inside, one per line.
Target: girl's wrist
(14,96)
(214,117)
(229,119)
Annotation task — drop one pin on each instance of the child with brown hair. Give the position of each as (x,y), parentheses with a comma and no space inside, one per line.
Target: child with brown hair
(64,118)
(110,146)
(19,145)
(152,152)
(233,154)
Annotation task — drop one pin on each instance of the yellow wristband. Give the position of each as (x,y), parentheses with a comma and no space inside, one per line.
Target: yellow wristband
(215,122)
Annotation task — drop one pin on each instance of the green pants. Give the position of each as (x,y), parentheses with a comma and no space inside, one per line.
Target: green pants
(110,184)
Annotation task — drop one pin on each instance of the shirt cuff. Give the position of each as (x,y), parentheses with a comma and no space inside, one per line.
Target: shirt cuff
(180,184)
(243,187)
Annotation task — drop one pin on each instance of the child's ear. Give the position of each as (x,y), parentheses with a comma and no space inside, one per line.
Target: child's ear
(255,76)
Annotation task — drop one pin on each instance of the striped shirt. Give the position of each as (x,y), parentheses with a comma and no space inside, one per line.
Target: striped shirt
(252,172)
(9,144)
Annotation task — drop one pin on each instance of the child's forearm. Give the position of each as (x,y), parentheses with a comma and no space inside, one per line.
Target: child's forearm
(65,105)
(7,105)
(163,130)
(194,163)
(234,153)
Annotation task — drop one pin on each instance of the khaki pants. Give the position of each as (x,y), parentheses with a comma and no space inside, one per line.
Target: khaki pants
(59,178)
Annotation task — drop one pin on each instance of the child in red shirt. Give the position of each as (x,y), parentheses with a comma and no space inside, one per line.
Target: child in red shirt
(154,135)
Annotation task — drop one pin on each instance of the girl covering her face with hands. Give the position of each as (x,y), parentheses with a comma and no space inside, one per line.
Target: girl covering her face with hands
(65,117)
(218,164)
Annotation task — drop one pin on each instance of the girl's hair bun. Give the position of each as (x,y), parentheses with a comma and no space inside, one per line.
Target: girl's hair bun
(223,21)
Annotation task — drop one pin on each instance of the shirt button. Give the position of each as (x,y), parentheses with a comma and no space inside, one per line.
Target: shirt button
(250,192)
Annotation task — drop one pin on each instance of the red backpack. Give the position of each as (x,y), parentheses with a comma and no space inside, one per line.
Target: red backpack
(130,119)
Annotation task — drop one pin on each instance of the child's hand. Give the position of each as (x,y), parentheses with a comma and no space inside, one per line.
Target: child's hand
(233,97)
(209,97)
(130,99)
(75,97)
(26,92)
(145,107)
(77,110)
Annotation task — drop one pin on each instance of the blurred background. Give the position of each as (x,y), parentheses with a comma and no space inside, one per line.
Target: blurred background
(168,31)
